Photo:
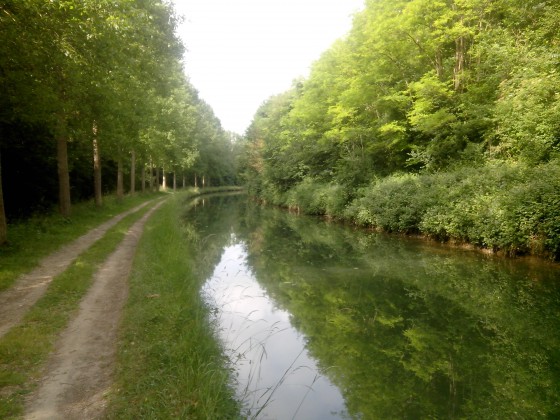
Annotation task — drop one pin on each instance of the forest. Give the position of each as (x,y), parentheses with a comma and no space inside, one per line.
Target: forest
(431,117)
(95,100)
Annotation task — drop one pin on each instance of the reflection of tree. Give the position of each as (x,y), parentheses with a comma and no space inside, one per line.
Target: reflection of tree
(408,331)
(404,330)
(207,225)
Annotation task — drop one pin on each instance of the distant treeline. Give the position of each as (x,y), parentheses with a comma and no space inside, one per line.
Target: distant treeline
(94,99)
(432,117)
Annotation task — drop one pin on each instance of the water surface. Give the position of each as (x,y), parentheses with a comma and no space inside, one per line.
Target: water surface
(325,321)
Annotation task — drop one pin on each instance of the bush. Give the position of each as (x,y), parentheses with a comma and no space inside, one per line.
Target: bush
(394,204)
(500,206)
(313,197)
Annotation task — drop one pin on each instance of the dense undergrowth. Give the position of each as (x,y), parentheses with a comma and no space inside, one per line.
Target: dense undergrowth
(512,208)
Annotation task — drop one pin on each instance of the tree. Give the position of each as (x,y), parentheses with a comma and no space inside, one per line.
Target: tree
(3,223)
(90,76)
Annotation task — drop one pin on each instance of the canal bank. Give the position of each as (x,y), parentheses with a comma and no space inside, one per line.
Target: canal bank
(398,328)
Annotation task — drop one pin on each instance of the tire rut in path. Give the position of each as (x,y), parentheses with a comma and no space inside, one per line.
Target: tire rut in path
(18,299)
(79,372)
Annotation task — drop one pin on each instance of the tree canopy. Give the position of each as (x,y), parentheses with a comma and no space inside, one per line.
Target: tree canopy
(418,85)
(96,86)
(427,117)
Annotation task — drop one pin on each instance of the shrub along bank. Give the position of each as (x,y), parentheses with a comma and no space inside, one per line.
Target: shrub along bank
(505,207)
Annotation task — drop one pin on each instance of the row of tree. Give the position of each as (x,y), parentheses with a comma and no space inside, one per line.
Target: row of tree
(97,86)
(416,85)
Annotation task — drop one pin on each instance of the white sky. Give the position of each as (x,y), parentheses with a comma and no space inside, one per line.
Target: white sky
(240,52)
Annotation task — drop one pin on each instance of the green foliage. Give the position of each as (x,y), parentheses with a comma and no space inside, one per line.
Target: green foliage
(312,197)
(513,208)
(435,116)
(527,124)
(392,204)
(109,70)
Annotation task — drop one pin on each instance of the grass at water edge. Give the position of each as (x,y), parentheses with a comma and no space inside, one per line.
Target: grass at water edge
(170,364)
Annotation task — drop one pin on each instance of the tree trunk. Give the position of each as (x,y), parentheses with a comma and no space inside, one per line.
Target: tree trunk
(3,222)
(143,177)
(164,181)
(184,181)
(64,201)
(174,181)
(460,52)
(151,171)
(97,189)
(195,181)
(203,181)
(120,186)
(132,172)
(157,178)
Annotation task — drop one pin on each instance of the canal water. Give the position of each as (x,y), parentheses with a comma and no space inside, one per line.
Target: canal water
(326,321)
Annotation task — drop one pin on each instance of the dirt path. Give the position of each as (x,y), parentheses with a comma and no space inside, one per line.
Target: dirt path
(79,372)
(17,300)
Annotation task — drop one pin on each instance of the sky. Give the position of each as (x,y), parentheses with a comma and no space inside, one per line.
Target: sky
(241,52)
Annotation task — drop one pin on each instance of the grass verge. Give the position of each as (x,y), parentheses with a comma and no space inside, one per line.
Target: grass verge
(24,349)
(39,236)
(170,365)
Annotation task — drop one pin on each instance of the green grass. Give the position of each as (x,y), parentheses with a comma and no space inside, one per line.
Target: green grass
(24,348)
(170,364)
(33,239)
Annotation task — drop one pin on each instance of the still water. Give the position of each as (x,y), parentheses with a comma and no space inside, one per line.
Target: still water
(324,321)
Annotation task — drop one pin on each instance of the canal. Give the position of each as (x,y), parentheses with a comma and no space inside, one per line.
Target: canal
(321,320)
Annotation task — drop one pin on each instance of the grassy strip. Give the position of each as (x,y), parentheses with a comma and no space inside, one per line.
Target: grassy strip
(170,364)
(24,349)
(39,236)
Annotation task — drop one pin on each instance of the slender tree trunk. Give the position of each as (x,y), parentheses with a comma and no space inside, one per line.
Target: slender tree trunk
(64,201)
(174,181)
(460,52)
(195,181)
(97,189)
(132,172)
(164,181)
(120,186)
(157,178)
(184,181)
(203,181)
(143,177)
(151,178)
(3,222)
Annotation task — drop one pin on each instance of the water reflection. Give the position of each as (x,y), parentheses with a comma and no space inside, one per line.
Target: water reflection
(402,328)
(275,376)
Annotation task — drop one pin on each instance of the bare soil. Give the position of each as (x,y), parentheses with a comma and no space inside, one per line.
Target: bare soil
(17,300)
(78,375)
